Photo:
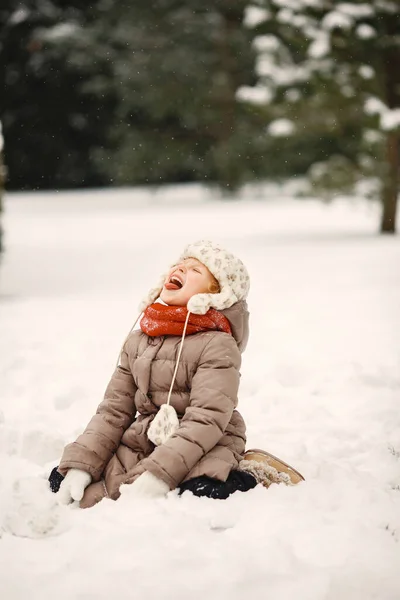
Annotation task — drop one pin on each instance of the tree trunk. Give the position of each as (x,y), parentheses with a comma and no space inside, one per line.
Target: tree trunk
(226,162)
(2,179)
(391,184)
(390,190)
(391,79)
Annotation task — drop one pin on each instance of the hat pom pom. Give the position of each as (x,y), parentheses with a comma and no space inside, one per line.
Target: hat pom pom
(164,425)
(200,303)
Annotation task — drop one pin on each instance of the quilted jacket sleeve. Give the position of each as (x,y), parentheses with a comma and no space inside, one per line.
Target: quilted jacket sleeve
(94,448)
(212,401)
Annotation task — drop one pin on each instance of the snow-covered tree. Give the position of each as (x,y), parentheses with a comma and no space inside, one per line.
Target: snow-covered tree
(125,93)
(57,92)
(178,66)
(2,177)
(329,67)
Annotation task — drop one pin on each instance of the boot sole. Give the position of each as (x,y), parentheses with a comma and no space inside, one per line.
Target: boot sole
(275,462)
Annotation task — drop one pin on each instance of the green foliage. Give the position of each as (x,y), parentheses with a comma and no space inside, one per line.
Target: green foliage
(2,180)
(111,93)
(337,173)
(333,69)
(57,103)
(178,70)
(124,94)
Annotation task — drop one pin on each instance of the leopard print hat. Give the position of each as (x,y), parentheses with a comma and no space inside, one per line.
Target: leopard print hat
(228,270)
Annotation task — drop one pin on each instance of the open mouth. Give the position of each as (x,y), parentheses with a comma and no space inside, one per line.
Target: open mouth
(174,283)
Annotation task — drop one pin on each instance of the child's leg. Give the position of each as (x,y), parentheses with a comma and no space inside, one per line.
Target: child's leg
(238,481)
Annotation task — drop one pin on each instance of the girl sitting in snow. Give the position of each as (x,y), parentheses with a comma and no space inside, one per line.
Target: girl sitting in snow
(169,418)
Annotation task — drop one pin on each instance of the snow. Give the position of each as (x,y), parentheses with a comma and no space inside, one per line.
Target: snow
(267,67)
(286,4)
(281,128)
(366,72)
(371,136)
(390,119)
(19,16)
(266,43)
(284,16)
(386,6)
(321,46)
(310,3)
(356,10)
(293,95)
(374,106)
(336,19)
(267,47)
(257,95)
(344,15)
(60,31)
(254,15)
(320,387)
(365,32)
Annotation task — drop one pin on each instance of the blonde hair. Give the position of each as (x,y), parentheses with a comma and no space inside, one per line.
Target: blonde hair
(213,287)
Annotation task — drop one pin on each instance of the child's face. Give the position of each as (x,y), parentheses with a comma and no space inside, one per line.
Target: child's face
(185,280)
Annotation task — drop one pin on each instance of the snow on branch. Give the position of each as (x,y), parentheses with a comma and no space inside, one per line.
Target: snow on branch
(254,15)
(365,32)
(346,14)
(19,16)
(389,118)
(321,45)
(387,6)
(366,72)
(258,95)
(357,11)
(266,43)
(289,75)
(291,4)
(374,106)
(336,19)
(281,128)
(60,32)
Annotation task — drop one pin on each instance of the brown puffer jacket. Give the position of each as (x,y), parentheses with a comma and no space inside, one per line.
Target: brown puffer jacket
(114,447)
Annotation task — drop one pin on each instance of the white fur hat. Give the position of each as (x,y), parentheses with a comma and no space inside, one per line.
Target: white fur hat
(229,271)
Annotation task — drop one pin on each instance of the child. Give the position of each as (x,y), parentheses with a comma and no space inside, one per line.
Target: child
(169,418)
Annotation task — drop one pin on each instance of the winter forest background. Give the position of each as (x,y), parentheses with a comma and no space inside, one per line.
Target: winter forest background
(224,92)
(128,130)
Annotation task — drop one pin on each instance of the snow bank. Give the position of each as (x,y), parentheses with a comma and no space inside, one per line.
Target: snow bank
(320,387)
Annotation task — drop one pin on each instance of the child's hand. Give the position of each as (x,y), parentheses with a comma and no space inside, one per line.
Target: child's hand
(147,485)
(73,486)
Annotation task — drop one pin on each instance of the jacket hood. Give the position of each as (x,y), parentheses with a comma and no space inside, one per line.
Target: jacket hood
(238,317)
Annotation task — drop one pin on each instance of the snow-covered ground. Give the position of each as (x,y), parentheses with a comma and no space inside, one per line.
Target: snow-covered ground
(320,387)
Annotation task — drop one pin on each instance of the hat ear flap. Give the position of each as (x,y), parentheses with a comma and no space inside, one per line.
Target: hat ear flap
(200,303)
(153,294)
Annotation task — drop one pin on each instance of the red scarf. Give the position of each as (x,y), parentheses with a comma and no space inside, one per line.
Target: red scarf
(159,319)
